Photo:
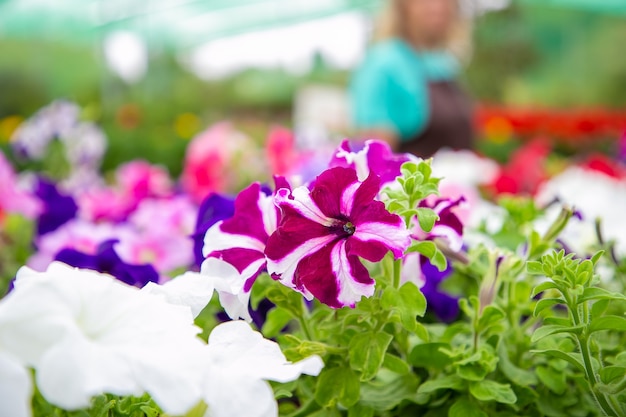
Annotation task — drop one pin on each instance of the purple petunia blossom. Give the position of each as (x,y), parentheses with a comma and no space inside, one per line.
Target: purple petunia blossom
(371,156)
(106,260)
(324,231)
(448,231)
(240,241)
(213,209)
(58,208)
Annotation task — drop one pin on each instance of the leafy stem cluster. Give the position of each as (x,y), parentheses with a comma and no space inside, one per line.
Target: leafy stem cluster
(572,285)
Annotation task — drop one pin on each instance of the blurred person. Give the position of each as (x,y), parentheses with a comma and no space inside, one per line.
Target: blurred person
(405,91)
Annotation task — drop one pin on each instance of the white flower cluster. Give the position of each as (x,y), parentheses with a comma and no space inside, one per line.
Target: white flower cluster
(595,196)
(85,333)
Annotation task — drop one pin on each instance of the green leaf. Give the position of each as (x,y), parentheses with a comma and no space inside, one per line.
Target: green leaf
(545,303)
(326,412)
(396,364)
(361,411)
(548,330)
(616,323)
(477,366)
(517,375)
(439,261)
(464,407)
(488,390)
(447,382)
(409,302)
(611,374)
(287,299)
(367,351)
(425,247)
(387,394)
(276,320)
(596,257)
(426,218)
(534,268)
(572,358)
(595,293)
(544,286)
(337,385)
(429,355)
(554,380)
(490,317)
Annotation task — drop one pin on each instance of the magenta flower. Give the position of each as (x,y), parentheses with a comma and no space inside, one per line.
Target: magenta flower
(370,156)
(324,231)
(240,241)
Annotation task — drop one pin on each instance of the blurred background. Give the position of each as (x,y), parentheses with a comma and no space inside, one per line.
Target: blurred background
(153,74)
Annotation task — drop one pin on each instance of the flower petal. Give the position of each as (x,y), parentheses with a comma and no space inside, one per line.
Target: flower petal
(16,388)
(190,289)
(334,277)
(329,188)
(372,240)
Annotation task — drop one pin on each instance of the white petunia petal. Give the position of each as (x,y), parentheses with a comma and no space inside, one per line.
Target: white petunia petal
(190,289)
(16,388)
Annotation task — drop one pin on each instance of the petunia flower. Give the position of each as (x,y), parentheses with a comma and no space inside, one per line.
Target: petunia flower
(371,156)
(58,207)
(16,387)
(107,260)
(214,208)
(190,289)
(86,333)
(14,199)
(324,231)
(240,241)
(240,363)
(448,232)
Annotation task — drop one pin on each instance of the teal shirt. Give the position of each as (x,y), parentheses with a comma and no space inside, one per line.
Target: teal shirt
(390,89)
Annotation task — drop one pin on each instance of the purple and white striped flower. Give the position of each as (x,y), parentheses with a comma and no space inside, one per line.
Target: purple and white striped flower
(372,156)
(240,241)
(324,231)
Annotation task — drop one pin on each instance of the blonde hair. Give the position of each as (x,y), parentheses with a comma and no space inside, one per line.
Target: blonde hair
(389,24)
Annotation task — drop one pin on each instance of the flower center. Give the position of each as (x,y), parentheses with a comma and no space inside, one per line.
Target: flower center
(349,228)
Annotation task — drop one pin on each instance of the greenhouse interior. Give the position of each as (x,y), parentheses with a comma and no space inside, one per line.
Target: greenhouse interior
(360,208)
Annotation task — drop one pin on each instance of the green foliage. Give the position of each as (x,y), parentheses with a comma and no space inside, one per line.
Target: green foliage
(573,284)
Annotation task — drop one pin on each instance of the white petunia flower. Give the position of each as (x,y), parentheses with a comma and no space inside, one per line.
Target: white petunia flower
(240,363)
(190,289)
(86,333)
(594,195)
(229,284)
(16,387)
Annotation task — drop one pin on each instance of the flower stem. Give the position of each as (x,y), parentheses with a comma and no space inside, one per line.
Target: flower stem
(583,344)
(397,270)
(304,325)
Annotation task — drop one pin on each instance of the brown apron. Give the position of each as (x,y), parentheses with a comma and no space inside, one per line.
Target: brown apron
(449,124)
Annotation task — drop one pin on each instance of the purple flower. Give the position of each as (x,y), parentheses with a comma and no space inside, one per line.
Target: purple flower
(240,241)
(214,208)
(106,260)
(442,304)
(58,208)
(448,232)
(324,231)
(370,156)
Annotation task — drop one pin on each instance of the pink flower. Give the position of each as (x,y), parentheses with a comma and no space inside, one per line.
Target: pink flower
(170,216)
(280,151)
(13,199)
(205,162)
(139,180)
(324,231)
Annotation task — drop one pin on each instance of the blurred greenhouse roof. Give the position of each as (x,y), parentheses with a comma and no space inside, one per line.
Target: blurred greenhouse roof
(162,23)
